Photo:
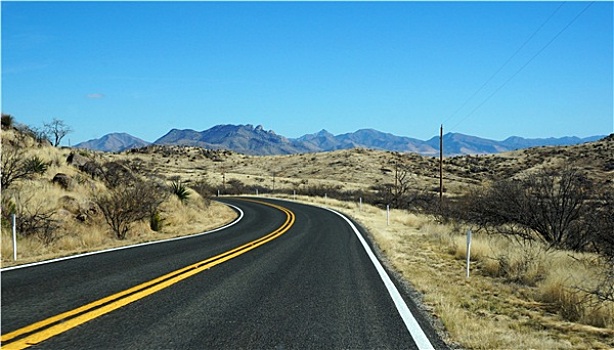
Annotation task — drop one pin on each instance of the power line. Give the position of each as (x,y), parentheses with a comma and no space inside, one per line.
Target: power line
(506,62)
(525,65)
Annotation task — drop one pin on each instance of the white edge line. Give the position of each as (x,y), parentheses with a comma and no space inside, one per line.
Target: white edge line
(416,332)
(129,246)
(420,338)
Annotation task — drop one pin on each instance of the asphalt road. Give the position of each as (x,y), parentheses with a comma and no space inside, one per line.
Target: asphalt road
(309,285)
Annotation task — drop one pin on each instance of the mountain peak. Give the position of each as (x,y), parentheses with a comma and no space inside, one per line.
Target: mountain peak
(113,142)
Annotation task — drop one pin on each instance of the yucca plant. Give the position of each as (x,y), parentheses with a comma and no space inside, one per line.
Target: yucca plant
(36,165)
(180,190)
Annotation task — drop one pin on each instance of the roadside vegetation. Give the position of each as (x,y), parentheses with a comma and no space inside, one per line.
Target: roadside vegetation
(542,257)
(72,201)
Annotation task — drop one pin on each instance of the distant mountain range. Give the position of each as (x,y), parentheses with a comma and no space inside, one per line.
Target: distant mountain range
(251,140)
(114,142)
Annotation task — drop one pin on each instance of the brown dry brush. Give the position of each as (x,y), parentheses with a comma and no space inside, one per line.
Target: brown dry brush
(601,224)
(16,166)
(32,218)
(127,204)
(552,207)
(129,199)
(563,210)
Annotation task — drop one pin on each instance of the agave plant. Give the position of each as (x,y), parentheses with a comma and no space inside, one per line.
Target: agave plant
(180,190)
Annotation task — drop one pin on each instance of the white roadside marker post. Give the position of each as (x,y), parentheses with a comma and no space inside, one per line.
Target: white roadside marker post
(14,238)
(387,214)
(468,251)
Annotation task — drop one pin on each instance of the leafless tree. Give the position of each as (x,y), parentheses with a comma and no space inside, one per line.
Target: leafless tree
(550,206)
(402,181)
(56,130)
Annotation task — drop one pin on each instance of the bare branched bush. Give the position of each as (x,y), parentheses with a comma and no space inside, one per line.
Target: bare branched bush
(116,173)
(601,223)
(603,288)
(547,206)
(34,218)
(16,166)
(235,186)
(205,190)
(524,266)
(126,204)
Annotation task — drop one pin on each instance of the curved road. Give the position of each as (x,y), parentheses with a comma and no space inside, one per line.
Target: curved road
(286,276)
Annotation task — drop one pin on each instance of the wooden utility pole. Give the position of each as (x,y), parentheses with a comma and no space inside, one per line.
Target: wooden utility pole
(441,164)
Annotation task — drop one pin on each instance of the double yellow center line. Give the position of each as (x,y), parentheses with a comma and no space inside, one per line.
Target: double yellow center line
(52,326)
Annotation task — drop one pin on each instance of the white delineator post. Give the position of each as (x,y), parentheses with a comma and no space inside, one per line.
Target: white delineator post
(14,238)
(387,214)
(468,251)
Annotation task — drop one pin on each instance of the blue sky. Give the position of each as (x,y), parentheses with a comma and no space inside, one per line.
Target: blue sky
(489,69)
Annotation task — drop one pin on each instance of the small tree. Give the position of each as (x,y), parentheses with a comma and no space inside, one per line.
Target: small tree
(547,205)
(126,204)
(402,184)
(56,130)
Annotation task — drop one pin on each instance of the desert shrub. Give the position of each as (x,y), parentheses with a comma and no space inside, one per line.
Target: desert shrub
(180,190)
(8,209)
(567,302)
(36,165)
(323,190)
(235,186)
(34,218)
(93,169)
(600,220)
(156,222)
(205,190)
(138,166)
(16,166)
(547,206)
(124,205)
(525,264)
(576,301)
(116,173)
(7,121)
